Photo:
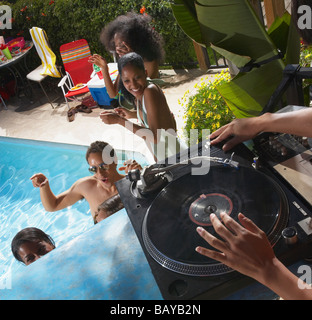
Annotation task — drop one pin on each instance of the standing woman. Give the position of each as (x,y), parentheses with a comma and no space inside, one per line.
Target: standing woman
(152,110)
(130,33)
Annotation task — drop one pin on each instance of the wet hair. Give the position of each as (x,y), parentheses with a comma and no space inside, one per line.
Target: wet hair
(137,32)
(98,147)
(111,205)
(132,59)
(306,34)
(30,234)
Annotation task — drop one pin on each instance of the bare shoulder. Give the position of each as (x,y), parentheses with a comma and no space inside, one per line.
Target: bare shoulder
(154,93)
(85,182)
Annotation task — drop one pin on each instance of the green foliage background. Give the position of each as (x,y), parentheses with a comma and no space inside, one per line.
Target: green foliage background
(68,20)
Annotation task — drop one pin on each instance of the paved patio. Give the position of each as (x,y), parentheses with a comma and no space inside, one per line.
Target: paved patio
(38,121)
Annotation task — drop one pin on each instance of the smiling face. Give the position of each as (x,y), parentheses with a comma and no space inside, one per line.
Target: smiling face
(31,251)
(103,172)
(134,80)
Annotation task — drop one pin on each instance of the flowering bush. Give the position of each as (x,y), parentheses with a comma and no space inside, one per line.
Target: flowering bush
(305,55)
(306,61)
(206,109)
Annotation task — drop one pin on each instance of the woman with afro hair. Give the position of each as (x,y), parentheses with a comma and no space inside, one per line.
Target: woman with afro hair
(130,33)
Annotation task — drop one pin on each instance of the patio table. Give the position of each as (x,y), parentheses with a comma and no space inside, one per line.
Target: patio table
(16,67)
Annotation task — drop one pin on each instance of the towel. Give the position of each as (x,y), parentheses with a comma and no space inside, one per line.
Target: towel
(45,53)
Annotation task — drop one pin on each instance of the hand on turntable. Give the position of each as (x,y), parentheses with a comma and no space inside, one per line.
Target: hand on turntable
(246,249)
(237,131)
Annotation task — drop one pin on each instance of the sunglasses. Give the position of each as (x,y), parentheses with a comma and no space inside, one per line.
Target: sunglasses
(101,166)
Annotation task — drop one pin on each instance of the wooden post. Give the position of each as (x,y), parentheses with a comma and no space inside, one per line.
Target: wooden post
(202,56)
(273,9)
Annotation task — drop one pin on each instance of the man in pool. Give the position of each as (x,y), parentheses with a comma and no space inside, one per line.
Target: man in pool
(95,189)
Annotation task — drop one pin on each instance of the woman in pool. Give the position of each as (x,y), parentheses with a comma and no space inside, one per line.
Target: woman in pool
(30,244)
(152,110)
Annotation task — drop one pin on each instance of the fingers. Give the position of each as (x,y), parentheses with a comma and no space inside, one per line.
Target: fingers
(212,240)
(219,256)
(130,165)
(228,231)
(231,224)
(38,180)
(248,224)
(127,47)
(220,229)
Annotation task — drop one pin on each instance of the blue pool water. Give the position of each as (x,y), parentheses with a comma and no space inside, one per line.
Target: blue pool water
(20,204)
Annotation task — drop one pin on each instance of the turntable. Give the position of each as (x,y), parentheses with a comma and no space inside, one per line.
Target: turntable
(165,204)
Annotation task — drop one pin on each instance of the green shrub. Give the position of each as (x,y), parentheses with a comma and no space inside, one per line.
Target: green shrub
(206,109)
(68,20)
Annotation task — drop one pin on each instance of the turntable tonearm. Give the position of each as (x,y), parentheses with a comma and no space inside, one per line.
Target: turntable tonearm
(166,203)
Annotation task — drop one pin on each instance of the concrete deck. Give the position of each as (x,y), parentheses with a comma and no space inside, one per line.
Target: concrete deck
(38,121)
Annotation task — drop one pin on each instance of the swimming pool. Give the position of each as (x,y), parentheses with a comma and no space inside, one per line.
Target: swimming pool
(20,204)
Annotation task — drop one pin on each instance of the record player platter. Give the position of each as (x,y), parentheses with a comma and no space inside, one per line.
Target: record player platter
(169,226)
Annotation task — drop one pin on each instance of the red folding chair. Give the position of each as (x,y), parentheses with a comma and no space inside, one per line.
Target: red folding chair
(75,56)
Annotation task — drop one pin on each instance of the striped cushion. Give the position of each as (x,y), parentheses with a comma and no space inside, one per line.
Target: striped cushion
(75,53)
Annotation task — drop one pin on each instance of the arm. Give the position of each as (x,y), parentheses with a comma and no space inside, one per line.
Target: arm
(246,249)
(158,116)
(295,122)
(49,200)
(116,117)
(111,86)
(158,113)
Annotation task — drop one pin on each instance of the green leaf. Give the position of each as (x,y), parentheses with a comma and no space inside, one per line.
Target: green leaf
(247,94)
(186,17)
(232,28)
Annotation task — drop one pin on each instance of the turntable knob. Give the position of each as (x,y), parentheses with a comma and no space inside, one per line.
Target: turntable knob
(290,235)
(283,151)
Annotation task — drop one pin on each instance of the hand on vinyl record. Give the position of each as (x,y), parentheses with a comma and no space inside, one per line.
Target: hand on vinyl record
(237,131)
(245,247)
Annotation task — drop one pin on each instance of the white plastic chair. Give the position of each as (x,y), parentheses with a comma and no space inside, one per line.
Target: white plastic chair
(48,58)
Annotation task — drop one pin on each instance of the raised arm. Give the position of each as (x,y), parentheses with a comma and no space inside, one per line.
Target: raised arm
(111,87)
(52,202)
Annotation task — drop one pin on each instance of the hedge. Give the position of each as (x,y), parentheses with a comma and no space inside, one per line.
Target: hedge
(68,20)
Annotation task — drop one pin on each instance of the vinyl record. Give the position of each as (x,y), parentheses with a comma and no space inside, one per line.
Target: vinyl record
(169,226)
